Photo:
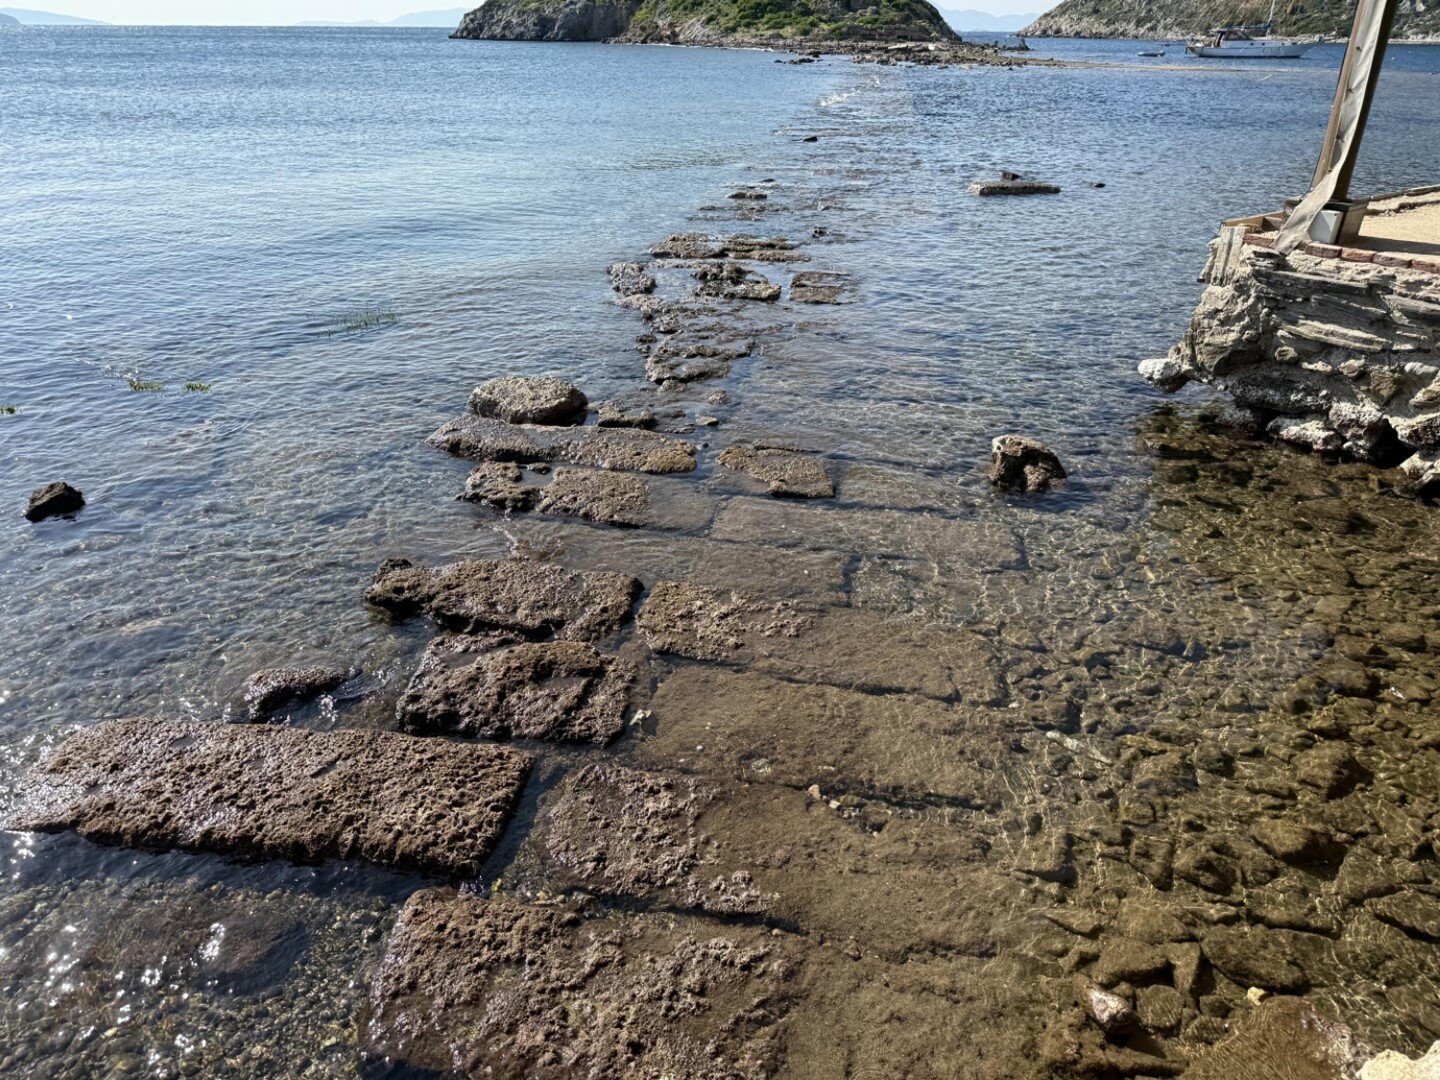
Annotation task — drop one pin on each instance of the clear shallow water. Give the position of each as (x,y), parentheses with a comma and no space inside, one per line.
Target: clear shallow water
(201,205)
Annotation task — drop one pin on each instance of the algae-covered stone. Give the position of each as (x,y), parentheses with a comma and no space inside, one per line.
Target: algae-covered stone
(840,646)
(497,484)
(532,598)
(480,438)
(609,498)
(529,399)
(557,691)
(629,450)
(1283,1038)
(1253,957)
(1019,463)
(480,987)
(425,805)
(784,472)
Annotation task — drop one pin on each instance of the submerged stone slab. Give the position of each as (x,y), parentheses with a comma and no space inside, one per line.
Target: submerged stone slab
(608,498)
(901,748)
(818,287)
(274,688)
(950,542)
(531,598)
(498,687)
(759,851)
(839,646)
(477,987)
(784,472)
(629,450)
(424,805)
(498,485)
(480,438)
(529,399)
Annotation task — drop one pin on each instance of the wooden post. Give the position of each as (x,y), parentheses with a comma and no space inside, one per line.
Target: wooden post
(1333,144)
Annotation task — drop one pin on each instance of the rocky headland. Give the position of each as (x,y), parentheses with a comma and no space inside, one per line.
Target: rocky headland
(1182,18)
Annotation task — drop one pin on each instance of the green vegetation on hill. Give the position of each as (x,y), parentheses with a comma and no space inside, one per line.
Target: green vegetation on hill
(1180,18)
(706,21)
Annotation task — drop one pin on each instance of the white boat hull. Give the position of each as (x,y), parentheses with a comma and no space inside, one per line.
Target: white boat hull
(1251,50)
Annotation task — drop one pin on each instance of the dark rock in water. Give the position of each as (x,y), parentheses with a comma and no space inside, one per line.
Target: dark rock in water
(271,689)
(818,287)
(425,805)
(1012,187)
(497,484)
(1296,844)
(1413,912)
(479,987)
(1006,174)
(811,138)
(616,414)
(785,472)
(1282,1037)
(630,450)
(529,399)
(534,599)
(688,246)
(609,498)
(1018,463)
(748,195)
(53,500)
(771,249)
(556,691)
(1253,957)
(481,439)
(731,281)
(1330,768)
(631,279)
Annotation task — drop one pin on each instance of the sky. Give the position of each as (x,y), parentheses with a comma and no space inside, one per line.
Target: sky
(287,12)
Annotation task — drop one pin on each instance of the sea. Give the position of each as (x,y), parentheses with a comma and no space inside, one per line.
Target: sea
(245,272)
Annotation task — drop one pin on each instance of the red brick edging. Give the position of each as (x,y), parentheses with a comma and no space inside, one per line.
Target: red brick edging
(1348,254)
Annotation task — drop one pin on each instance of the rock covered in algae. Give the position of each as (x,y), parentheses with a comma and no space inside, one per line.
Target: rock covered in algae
(498,485)
(557,691)
(608,498)
(531,598)
(495,988)
(529,399)
(425,805)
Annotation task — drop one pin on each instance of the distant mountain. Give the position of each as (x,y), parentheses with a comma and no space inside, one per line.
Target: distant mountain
(8,21)
(26,17)
(986,23)
(1181,18)
(449,18)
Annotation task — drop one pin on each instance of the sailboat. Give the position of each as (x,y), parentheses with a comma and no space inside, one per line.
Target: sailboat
(1247,43)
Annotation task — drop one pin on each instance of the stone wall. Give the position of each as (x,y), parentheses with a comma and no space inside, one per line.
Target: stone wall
(1332,348)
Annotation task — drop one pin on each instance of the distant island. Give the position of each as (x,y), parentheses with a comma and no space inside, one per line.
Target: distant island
(7,21)
(27,17)
(1181,18)
(441,17)
(985,23)
(706,22)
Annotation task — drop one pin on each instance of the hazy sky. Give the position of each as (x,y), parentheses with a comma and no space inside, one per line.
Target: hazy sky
(285,12)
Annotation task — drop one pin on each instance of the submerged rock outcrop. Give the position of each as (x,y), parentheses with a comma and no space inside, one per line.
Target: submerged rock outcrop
(1332,349)
(707,22)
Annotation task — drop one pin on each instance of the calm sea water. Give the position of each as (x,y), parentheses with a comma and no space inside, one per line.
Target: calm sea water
(215,206)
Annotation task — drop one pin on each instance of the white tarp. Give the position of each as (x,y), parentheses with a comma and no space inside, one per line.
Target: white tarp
(1366,43)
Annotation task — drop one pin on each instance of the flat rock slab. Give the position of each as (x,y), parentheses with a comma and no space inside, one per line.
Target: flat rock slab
(480,438)
(629,450)
(1283,1038)
(900,748)
(501,688)
(950,542)
(608,498)
(818,287)
(425,805)
(527,597)
(477,987)
(529,399)
(784,472)
(758,851)
(840,646)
